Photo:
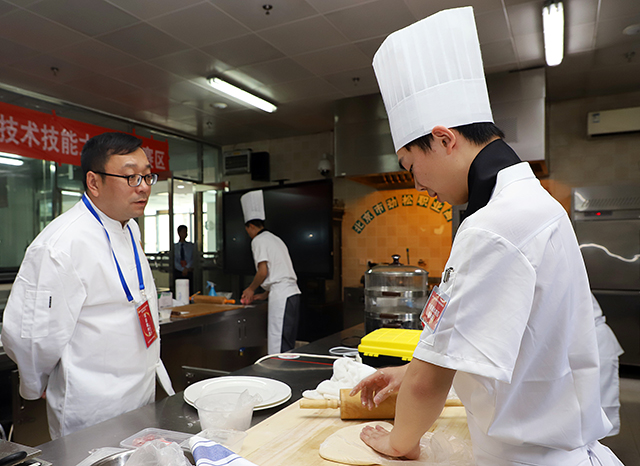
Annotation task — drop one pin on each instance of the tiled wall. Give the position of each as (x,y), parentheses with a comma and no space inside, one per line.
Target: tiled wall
(398,220)
(575,159)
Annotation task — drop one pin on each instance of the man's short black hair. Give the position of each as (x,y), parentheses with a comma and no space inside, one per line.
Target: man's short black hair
(255,222)
(476,133)
(182,227)
(97,150)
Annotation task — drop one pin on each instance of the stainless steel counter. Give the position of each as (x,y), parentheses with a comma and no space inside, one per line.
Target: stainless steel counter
(173,413)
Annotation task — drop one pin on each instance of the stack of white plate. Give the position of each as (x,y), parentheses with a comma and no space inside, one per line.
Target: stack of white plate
(273,392)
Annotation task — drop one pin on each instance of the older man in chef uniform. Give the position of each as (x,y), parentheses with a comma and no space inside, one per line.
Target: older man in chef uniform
(274,273)
(512,318)
(81,322)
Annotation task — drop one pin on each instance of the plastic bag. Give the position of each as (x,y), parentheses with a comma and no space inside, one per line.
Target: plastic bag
(158,453)
(438,449)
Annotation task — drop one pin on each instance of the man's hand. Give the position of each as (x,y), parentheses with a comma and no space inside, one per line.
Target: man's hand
(247,296)
(378,386)
(379,439)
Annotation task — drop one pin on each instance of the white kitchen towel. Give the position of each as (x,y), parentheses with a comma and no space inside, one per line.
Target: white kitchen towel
(209,453)
(346,374)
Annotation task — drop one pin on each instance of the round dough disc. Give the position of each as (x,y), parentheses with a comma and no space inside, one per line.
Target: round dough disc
(345,446)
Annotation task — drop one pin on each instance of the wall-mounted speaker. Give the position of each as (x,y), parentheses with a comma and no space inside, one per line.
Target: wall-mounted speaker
(260,167)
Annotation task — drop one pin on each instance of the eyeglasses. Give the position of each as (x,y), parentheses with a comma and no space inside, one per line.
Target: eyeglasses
(135,180)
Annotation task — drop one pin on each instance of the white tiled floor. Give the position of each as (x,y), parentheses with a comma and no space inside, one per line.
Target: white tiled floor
(626,445)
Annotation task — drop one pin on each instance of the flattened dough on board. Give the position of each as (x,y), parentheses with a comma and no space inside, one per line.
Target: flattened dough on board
(345,446)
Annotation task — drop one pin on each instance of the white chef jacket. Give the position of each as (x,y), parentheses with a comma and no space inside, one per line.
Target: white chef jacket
(609,350)
(70,329)
(281,282)
(516,331)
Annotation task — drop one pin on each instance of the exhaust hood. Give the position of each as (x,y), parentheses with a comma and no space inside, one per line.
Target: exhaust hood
(364,149)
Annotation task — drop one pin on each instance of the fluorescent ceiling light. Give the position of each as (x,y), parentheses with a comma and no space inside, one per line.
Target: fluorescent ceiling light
(241,95)
(553,28)
(71,193)
(7,158)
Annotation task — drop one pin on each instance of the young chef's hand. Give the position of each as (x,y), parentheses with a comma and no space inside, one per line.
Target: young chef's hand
(378,386)
(247,296)
(379,439)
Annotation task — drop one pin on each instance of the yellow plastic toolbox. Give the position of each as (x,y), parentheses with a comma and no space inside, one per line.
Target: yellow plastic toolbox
(388,346)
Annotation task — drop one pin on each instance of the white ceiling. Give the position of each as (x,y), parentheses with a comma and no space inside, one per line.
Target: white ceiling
(147,60)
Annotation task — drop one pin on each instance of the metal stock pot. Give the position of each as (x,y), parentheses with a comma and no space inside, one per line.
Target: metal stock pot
(394,296)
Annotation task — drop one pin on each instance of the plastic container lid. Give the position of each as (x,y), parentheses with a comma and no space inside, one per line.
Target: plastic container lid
(396,342)
(151,433)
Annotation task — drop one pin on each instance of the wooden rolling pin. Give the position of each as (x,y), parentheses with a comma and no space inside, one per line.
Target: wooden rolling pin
(212,299)
(351,406)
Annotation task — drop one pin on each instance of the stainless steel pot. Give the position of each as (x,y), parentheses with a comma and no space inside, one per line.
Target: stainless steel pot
(394,296)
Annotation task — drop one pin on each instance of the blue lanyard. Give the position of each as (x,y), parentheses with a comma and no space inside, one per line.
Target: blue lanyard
(135,252)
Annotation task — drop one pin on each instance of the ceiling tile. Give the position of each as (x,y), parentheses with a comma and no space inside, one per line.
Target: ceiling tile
(145,76)
(579,12)
(617,55)
(191,64)
(355,82)
(146,9)
(609,33)
(525,18)
(6,8)
(334,60)
(371,19)
(102,85)
(304,88)
(90,18)
(370,46)
(12,52)
(530,47)
(42,65)
(143,99)
(498,53)
(579,38)
(422,9)
(324,6)
(276,71)
(312,34)
(143,41)
(200,25)
(21,80)
(95,55)
(244,50)
(30,30)
(492,26)
(251,14)
(578,62)
(626,9)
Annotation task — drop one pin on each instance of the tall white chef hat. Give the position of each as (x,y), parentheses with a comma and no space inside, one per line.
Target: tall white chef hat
(430,73)
(253,206)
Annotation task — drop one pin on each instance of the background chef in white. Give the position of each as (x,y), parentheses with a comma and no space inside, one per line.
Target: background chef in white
(274,273)
(69,325)
(518,330)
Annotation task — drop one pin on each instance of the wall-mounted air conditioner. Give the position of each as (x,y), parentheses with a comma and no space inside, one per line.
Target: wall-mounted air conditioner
(622,120)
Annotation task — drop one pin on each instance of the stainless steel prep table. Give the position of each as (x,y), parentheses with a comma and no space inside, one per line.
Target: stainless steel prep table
(173,413)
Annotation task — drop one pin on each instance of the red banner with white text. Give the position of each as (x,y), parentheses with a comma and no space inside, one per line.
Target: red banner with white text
(44,136)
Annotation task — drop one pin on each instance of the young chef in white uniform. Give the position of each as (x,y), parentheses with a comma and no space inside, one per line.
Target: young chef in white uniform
(274,273)
(81,322)
(510,322)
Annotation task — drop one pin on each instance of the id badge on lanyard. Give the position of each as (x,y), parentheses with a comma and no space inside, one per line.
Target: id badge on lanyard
(434,309)
(146,322)
(143,309)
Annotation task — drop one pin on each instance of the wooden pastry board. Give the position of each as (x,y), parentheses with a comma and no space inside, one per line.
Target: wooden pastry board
(293,435)
(200,309)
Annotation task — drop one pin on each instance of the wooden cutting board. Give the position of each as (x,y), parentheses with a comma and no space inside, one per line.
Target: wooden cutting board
(200,309)
(293,435)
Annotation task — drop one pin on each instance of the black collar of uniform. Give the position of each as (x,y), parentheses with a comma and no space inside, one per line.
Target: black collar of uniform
(483,173)
(261,231)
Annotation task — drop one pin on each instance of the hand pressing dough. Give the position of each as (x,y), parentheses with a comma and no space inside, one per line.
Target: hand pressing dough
(345,446)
